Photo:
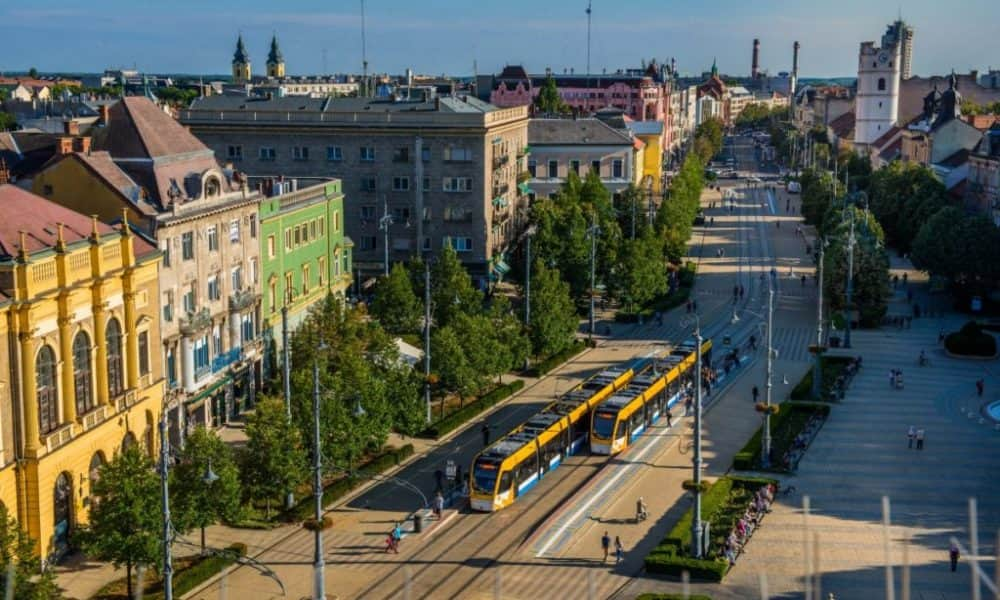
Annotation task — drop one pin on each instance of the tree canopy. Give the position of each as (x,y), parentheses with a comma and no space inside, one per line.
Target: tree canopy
(549,100)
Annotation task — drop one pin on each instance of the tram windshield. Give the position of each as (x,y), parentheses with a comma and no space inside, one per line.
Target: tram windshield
(604,424)
(485,476)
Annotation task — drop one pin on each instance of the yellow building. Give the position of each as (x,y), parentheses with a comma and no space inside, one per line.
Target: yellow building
(82,378)
(651,165)
(241,63)
(275,61)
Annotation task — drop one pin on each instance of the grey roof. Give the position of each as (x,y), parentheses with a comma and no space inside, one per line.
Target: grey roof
(575,132)
(456,104)
(645,127)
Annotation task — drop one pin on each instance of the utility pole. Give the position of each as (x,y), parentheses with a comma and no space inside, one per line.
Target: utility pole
(168,567)
(817,364)
(527,281)
(384,224)
(286,366)
(850,285)
(364,55)
(588,42)
(319,577)
(593,231)
(696,522)
(427,339)
(770,370)
(633,216)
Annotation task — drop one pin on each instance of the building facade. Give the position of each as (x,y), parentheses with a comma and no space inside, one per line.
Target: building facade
(876,104)
(204,219)
(83,377)
(561,146)
(983,188)
(419,173)
(304,254)
(275,61)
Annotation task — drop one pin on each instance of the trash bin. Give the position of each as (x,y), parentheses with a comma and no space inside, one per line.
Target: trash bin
(418,522)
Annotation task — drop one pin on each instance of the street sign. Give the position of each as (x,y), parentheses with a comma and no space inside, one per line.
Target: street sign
(449,470)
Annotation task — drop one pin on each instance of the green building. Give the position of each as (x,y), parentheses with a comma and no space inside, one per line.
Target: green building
(304,253)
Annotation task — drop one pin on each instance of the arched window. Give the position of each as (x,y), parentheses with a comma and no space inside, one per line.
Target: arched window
(63,514)
(94,474)
(881,84)
(212,187)
(113,340)
(81,373)
(128,441)
(46,390)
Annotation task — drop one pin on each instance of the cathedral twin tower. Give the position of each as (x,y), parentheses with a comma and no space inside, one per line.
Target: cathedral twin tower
(241,62)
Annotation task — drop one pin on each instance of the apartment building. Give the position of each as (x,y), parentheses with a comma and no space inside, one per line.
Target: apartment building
(418,174)
(562,146)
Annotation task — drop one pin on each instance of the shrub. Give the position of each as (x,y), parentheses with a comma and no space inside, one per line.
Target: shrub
(201,571)
(670,564)
(544,366)
(671,597)
(830,368)
(625,316)
(784,427)
(461,416)
(971,340)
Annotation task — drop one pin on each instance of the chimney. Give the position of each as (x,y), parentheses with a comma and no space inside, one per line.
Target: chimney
(71,127)
(795,59)
(105,114)
(755,65)
(82,144)
(65,146)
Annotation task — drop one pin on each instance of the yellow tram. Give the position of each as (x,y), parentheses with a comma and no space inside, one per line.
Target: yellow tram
(622,417)
(515,463)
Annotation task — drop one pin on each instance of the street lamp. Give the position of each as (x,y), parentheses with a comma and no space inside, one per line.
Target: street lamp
(168,568)
(427,339)
(527,235)
(766,448)
(593,231)
(383,225)
(208,479)
(696,525)
(286,366)
(319,577)
(850,284)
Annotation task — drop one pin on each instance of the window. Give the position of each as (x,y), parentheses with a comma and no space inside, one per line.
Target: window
(305,279)
(234,231)
(166,252)
(297,236)
(881,84)
(367,154)
(270,246)
(574,166)
(426,186)
(425,154)
(253,226)
(300,152)
(116,367)
(143,353)
(617,168)
(267,153)
(213,288)
(272,295)
(168,306)
(82,375)
(400,184)
(171,368)
(312,229)
(190,298)
(187,245)
(368,242)
(201,363)
(234,152)
(236,276)
(289,285)
(427,244)
(46,391)
(319,225)
(216,341)
(368,184)
(336,221)
(401,214)
(459,244)
(533,167)
(367,213)
(246,327)
(334,153)
(321,270)
(457,184)
(595,166)
(213,238)
(288,239)
(401,155)
(457,154)
(553,169)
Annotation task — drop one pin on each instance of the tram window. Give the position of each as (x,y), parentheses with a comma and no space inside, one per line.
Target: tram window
(604,424)
(526,469)
(504,482)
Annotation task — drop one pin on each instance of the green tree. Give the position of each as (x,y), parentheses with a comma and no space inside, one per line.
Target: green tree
(676,214)
(177,97)
(631,209)
(870,293)
(125,522)
(33,73)
(960,248)
(554,321)
(485,354)
(17,556)
(509,332)
(274,459)
(710,130)
(549,100)
(642,273)
(195,502)
(452,292)
(7,121)
(396,306)
(450,363)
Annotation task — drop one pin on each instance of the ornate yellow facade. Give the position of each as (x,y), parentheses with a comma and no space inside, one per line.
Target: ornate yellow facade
(80,316)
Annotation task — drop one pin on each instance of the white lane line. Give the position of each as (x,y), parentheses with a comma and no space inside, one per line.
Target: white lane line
(593,498)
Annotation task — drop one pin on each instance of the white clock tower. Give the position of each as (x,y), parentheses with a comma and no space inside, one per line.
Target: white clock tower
(876,106)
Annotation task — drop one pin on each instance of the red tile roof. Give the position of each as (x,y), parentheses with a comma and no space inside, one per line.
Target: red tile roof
(37,217)
(101,164)
(843,125)
(139,129)
(886,137)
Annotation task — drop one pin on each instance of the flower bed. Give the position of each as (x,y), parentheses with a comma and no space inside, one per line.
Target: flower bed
(831,367)
(722,505)
(790,421)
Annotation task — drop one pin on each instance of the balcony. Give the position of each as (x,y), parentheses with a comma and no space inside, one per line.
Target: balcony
(500,190)
(242,299)
(126,400)
(523,176)
(196,321)
(59,437)
(95,417)
(221,361)
(524,151)
(499,161)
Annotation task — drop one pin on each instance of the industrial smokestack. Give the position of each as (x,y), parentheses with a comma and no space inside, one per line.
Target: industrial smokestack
(755,66)
(793,84)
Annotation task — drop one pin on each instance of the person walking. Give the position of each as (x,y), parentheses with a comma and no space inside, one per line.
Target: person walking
(605,545)
(980,386)
(619,550)
(438,505)
(920,439)
(911,435)
(892,378)
(486,434)
(670,418)
(397,535)
(755,393)
(953,557)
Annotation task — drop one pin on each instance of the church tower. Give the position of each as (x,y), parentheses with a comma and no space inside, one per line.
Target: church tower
(275,61)
(241,63)
(876,106)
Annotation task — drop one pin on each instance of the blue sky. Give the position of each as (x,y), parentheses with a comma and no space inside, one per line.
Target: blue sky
(438,36)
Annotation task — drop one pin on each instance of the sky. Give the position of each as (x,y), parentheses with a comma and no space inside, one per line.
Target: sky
(447,36)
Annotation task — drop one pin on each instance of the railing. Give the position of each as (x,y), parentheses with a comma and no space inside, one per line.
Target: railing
(221,361)
(242,299)
(59,437)
(95,417)
(126,400)
(195,322)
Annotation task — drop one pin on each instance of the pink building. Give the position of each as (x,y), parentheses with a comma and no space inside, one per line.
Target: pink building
(644,95)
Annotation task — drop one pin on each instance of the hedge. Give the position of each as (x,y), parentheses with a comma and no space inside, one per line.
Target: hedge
(971,341)
(670,556)
(748,458)
(338,488)
(468,412)
(199,572)
(544,366)
(830,368)
(672,597)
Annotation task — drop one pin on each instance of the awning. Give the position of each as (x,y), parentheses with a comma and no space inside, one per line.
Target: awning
(501,267)
(209,390)
(524,188)
(500,202)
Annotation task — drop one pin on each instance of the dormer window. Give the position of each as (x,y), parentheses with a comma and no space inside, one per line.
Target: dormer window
(212,187)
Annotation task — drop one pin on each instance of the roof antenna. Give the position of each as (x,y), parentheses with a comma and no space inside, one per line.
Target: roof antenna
(364,50)
(589,2)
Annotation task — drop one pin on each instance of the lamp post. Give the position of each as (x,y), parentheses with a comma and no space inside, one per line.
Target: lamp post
(528,234)
(383,224)
(286,365)
(696,529)
(593,232)
(168,567)
(850,285)
(766,438)
(427,339)
(319,579)
(817,363)
(208,479)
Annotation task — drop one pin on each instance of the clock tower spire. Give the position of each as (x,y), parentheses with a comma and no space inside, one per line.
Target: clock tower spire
(876,105)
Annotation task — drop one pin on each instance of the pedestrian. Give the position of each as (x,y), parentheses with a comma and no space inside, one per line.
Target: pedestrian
(741,291)
(687,306)
(486,434)
(619,550)
(438,505)
(736,291)
(439,480)
(397,535)
(694,306)
(911,434)
(670,418)
(904,283)
(605,545)
(909,294)
(953,556)
(941,336)
(920,439)
(980,386)
(755,393)
(892,378)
